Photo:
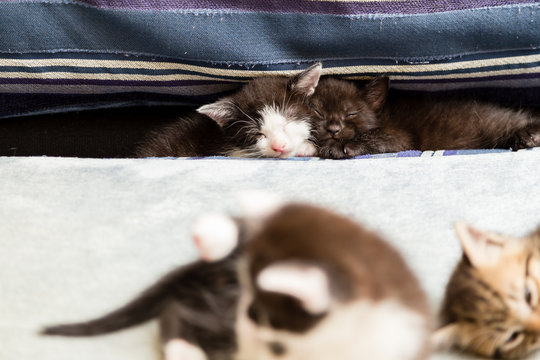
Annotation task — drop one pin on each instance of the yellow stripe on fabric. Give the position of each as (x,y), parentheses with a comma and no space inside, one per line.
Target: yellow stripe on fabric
(179,77)
(127,64)
(115,64)
(472,75)
(464,65)
(106,76)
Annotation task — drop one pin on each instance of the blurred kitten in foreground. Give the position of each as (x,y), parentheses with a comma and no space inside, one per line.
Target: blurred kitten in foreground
(284,281)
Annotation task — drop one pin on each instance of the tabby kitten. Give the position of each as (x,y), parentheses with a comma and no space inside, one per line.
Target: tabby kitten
(491,305)
(353,120)
(286,282)
(268,117)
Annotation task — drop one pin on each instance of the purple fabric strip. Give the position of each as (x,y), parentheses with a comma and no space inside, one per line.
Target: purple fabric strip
(409,153)
(302,6)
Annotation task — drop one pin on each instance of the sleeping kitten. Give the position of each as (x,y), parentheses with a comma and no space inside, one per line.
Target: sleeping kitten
(352,121)
(268,117)
(491,306)
(290,282)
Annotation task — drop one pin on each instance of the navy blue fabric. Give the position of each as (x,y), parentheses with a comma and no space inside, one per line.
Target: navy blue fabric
(263,38)
(63,55)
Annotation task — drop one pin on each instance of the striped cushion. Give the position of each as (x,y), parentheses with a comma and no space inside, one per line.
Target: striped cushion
(58,55)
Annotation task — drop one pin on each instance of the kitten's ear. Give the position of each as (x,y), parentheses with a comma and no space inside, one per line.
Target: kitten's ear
(220,111)
(258,205)
(215,236)
(376,92)
(306,82)
(481,248)
(444,338)
(307,283)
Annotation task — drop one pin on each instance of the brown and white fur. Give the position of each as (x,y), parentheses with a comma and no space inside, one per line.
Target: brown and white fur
(268,117)
(492,301)
(308,284)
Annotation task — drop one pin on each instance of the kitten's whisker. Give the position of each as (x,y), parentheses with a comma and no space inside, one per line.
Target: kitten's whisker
(242,111)
(240,122)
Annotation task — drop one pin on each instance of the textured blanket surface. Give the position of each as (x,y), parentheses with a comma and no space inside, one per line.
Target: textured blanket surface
(58,55)
(80,237)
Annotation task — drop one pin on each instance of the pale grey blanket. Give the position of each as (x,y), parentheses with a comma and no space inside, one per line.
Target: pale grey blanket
(79,237)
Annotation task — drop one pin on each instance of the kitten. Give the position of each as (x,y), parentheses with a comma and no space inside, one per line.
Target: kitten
(195,304)
(491,305)
(290,282)
(268,117)
(352,120)
(316,285)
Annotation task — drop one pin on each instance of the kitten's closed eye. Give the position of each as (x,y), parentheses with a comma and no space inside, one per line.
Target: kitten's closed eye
(277,348)
(254,315)
(514,339)
(317,111)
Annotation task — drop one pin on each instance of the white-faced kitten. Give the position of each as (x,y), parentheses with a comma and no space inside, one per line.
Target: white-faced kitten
(268,117)
(292,282)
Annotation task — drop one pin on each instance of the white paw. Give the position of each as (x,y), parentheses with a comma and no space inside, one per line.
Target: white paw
(215,236)
(307,149)
(178,349)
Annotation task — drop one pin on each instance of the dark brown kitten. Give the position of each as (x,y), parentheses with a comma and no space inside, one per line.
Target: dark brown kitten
(354,120)
(268,117)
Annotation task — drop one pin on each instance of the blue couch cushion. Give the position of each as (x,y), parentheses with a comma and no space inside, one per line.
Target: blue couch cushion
(59,55)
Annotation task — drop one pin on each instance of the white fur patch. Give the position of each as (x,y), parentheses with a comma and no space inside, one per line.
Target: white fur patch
(215,236)
(307,283)
(283,136)
(362,330)
(258,205)
(179,349)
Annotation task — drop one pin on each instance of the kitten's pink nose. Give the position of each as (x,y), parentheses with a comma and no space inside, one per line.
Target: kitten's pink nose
(279,145)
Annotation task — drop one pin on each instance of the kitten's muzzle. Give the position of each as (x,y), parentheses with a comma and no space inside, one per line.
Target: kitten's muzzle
(334,128)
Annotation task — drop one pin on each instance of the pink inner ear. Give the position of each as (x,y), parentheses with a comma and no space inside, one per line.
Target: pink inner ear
(309,79)
(219,111)
(481,248)
(215,236)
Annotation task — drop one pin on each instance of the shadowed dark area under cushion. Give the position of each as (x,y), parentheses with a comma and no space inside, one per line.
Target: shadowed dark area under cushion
(96,133)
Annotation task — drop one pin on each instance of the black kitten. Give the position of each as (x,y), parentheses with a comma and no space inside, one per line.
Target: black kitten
(353,120)
(268,117)
(196,303)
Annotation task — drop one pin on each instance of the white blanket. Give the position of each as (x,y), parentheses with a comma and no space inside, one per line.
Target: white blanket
(80,237)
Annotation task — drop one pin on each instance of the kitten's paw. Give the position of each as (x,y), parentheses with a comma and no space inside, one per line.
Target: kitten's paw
(527,138)
(353,149)
(332,149)
(307,149)
(215,236)
(179,349)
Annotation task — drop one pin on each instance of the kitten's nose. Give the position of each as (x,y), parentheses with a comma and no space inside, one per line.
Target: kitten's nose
(279,145)
(333,128)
